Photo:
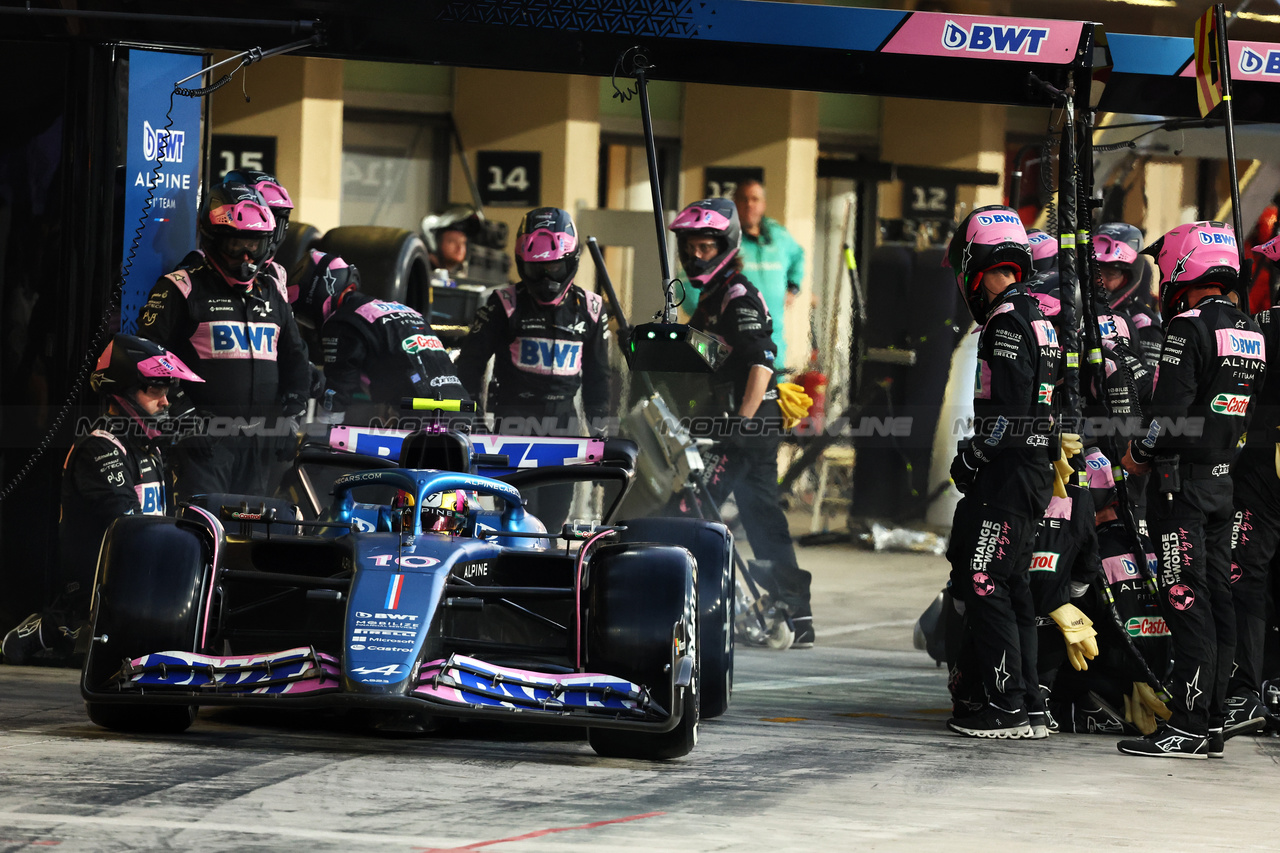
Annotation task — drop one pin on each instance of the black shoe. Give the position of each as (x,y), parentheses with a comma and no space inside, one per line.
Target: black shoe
(803,626)
(1167,742)
(1094,715)
(993,722)
(1042,723)
(1216,744)
(1245,716)
(23,642)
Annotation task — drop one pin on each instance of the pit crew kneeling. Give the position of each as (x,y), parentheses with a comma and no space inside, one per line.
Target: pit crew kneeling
(109,473)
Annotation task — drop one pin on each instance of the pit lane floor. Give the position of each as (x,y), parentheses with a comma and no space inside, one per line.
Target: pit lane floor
(840,747)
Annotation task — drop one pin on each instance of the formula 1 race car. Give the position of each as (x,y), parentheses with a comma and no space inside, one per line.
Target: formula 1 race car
(417,608)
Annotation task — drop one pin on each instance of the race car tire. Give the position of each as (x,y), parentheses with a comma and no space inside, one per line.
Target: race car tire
(640,599)
(712,547)
(392,261)
(149,597)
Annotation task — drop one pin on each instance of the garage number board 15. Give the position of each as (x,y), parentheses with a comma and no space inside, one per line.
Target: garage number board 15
(512,178)
(240,151)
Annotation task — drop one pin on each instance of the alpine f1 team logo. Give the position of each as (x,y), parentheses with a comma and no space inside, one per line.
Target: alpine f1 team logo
(1253,62)
(994,38)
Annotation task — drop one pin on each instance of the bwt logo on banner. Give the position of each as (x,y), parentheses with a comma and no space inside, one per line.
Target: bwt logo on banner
(164,145)
(993,38)
(1252,62)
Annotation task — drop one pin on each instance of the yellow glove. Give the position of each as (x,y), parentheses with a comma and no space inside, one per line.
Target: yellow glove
(1077,630)
(1143,707)
(794,403)
(1143,693)
(1062,470)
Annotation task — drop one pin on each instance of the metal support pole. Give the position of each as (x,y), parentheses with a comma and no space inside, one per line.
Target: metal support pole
(655,189)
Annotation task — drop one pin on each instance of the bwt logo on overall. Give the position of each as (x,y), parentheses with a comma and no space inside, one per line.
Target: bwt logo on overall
(543,355)
(993,38)
(239,340)
(160,144)
(1252,62)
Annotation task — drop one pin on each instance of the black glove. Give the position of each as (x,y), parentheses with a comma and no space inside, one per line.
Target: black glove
(964,468)
(196,440)
(287,443)
(289,426)
(317,382)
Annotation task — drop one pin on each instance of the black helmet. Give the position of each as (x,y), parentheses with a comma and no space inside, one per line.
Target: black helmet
(547,252)
(988,237)
(130,363)
(237,231)
(321,281)
(1119,245)
(711,217)
(274,194)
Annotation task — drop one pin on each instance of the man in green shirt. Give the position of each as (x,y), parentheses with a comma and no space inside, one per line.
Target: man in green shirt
(771,259)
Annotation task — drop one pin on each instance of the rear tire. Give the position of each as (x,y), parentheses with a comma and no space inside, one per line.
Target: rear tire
(149,597)
(712,546)
(640,600)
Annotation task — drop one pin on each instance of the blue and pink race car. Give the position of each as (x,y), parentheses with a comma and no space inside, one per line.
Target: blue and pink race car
(416,614)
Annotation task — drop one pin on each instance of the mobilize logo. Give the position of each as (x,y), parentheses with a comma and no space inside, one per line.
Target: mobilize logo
(1146,626)
(1252,62)
(994,38)
(1230,404)
(165,145)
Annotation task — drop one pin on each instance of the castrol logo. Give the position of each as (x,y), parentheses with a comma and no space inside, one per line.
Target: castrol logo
(1146,626)
(1230,404)
(1044,561)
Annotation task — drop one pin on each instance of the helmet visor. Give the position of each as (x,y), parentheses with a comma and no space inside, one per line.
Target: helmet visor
(551,270)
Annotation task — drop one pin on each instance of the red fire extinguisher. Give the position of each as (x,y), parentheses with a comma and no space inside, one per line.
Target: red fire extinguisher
(814,384)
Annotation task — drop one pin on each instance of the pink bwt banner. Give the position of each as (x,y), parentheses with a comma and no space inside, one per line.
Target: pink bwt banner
(983,37)
(1250,60)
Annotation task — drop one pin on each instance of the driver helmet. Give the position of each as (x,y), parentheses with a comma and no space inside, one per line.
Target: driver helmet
(711,217)
(274,194)
(1193,255)
(237,230)
(131,364)
(1044,250)
(987,238)
(547,252)
(446,512)
(319,288)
